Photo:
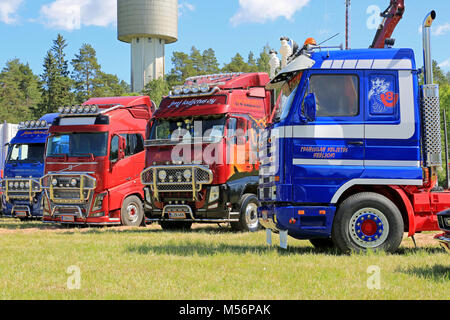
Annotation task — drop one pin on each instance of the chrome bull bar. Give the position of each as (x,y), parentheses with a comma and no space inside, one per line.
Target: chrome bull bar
(176,178)
(20,188)
(60,190)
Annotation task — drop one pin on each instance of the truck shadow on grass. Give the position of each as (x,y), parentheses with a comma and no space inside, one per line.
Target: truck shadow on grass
(205,249)
(437,272)
(15,224)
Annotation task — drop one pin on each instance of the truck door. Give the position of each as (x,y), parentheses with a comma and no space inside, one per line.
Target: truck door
(329,151)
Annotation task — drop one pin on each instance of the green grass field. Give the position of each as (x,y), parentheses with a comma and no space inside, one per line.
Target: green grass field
(207,262)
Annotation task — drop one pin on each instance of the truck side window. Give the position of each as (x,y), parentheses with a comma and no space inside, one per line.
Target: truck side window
(337,95)
(114,153)
(135,143)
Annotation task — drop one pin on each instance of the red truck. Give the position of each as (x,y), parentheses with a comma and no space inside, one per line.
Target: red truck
(201,157)
(94,155)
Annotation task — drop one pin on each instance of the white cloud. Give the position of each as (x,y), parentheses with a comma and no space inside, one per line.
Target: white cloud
(445,64)
(73,14)
(8,9)
(260,11)
(441,30)
(182,7)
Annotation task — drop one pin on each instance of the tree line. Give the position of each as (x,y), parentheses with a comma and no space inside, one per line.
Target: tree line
(25,95)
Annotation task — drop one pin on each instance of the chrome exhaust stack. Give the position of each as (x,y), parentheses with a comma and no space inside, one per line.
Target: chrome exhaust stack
(426,30)
(431,118)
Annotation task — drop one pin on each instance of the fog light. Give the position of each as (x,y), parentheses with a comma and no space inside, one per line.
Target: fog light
(54,182)
(214,194)
(73,182)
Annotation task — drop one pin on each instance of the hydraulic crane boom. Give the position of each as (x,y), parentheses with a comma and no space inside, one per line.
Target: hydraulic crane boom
(391,17)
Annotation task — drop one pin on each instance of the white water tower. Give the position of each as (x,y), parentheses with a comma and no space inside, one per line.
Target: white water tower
(148,25)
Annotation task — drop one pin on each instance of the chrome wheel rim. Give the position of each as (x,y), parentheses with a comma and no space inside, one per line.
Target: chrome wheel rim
(369,228)
(132,213)
(251,215)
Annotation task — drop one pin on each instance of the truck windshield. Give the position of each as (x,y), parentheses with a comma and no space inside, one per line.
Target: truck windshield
(26,153)
(207,128)
(78,144)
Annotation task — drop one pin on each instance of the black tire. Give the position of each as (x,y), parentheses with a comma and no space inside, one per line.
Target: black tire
(322,243)
(366,221)
(176,225)
(132,212)
(248,218)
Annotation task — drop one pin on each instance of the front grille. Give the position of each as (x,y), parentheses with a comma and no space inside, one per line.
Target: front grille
(187,178)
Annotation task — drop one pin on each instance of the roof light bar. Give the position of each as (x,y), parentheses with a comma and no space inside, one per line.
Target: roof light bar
(192,91)
(34,124)
(79,110)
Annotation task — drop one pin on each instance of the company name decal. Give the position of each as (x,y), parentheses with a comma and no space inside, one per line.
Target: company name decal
(191,102)
(24,133)
(323,152)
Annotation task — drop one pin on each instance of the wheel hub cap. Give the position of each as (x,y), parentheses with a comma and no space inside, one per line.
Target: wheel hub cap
(369,227)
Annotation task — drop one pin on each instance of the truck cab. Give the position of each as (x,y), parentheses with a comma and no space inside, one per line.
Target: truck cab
(201,157)
(94,155)
(24,166)
(351,160)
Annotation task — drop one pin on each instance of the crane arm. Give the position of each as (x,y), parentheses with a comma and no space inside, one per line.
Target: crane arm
(391,17)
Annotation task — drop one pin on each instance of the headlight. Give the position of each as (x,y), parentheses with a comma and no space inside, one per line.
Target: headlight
(11,184)
(177,90)
(214,194)
(16,184)
(187,174)
(179,176)
(162,174)
(195,89)
(94,109)
(447,221)
(73,182)
(27,184)
(21,184)
(98,203)
(204,88)
(54,182)
(186,90)
(87,109)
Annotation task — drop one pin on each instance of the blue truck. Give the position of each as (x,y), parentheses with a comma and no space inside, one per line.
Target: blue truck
(24,166)
(350,161)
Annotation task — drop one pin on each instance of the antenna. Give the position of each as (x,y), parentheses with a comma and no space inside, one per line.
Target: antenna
(328,39)
(347,24)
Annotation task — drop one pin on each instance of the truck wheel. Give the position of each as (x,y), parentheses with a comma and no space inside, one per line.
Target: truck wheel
(322,243)
(132,212)
(248,218)
(367,221)
(176,225)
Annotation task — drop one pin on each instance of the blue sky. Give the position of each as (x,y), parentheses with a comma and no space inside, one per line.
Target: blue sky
(27,27)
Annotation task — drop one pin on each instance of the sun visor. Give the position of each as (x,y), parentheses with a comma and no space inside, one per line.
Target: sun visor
(300,63)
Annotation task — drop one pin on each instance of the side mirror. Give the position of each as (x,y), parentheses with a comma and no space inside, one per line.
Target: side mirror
(310,106)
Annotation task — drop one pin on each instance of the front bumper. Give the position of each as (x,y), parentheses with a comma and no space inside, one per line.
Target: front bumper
(444,241)
(301,222)
(211,209)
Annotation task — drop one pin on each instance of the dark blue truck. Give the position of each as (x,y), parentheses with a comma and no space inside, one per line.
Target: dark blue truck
(24,166)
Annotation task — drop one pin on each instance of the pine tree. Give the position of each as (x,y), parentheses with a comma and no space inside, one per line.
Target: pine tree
(56,83)
(19,92)
(237,64)
(86,71)
(263,60)
(211,65)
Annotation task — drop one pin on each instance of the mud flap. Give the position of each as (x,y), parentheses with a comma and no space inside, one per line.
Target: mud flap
(283,239)
(269,237)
